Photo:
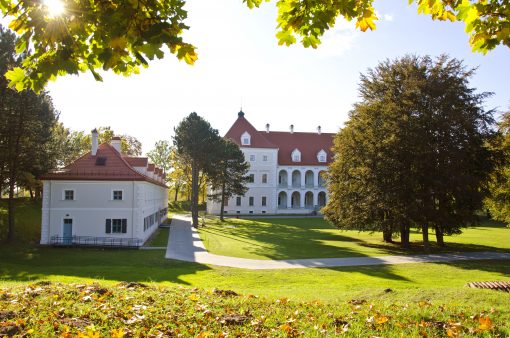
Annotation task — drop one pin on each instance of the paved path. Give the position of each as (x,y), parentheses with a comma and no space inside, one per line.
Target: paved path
(185,244)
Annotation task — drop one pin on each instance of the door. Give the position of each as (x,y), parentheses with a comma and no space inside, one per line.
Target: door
(67,235)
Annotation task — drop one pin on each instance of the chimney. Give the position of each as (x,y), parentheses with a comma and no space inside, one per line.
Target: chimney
(267,127)
(115,142)
(291,128)
(319,130)
(95,137)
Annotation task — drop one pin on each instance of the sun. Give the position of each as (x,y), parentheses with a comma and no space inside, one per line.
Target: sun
(54,7)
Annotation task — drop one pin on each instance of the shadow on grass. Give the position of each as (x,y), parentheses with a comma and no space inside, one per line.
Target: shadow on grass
(25,263)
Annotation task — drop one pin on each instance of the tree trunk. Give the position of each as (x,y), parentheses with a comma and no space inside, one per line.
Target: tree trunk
(425,234)
(176,193)
(222,208)
(31,193)
(404,236)
(387,234)
(10,208)
(440,237)
(194,194)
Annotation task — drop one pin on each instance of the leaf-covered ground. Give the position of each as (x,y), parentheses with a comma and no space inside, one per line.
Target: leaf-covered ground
(140,310)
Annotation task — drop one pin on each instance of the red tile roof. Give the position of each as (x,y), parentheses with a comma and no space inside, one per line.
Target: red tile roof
(309,144)
(137,161)
(107,165)
(241,125)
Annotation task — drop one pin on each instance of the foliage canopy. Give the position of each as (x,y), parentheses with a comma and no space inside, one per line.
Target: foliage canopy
(123,35)
(414,153)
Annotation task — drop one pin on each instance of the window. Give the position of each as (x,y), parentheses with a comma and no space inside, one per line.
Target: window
(250,201)
(321,156)
(117,195)
(116,226)
(251,211)
(264,201)
(264,178)
(225,201)
(69,195)
(264,158)
(252,158)
(296,156)
(245,139)
(251,178)
(238,201)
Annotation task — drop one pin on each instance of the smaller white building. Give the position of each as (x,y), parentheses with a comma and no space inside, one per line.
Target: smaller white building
(103,198)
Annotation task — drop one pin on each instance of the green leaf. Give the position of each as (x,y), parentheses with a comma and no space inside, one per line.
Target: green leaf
(285,37)
(16,76)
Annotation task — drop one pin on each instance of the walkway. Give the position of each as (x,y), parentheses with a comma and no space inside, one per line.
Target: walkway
(185,244)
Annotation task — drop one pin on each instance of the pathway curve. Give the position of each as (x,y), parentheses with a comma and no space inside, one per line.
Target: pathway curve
(185,244)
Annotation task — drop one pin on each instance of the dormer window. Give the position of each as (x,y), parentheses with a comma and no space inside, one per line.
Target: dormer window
(296,156)
(245,139)
(322,156)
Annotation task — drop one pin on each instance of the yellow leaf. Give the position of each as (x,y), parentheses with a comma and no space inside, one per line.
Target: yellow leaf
(117,333)
(193,297)
(381,319)
(485,323)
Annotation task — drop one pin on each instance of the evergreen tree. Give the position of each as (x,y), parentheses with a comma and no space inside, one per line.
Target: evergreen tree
(25,131)
(414,153)
(199,143)
(230,176)
(498,202)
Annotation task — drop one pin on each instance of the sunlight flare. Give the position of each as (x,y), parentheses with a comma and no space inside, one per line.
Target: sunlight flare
(55,7)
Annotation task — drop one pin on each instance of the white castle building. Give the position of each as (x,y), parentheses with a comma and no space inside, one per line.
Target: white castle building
(285,170)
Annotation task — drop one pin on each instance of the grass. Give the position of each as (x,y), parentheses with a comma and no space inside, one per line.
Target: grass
(27,218)
(429,298)
(293,238)
(49,309)
(159,239)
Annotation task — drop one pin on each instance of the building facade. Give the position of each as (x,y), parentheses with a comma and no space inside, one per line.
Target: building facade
(286,170)
(103,198)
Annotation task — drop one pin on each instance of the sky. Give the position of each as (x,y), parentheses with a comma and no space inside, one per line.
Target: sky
(240,65)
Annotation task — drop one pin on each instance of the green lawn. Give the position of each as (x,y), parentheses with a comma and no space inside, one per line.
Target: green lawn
(292,238)
(27,219)
(159,239)
(414,285)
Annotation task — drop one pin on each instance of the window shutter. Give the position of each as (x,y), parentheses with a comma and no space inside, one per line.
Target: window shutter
(108,226)
(124,225)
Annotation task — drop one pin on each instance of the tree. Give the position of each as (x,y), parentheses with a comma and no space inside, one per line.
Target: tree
(27,122)
(121,35)
(415,152)
(498,202)
(199,143)
(180,173)
(230,176)
(161,156)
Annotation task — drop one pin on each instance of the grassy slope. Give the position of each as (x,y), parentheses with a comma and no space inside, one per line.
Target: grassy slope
(116,310)
(287,238)
(27,219)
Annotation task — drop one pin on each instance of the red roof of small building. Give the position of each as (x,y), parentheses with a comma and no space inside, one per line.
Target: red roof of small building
(309,144)
(106,165)
(136,161)
(151,167)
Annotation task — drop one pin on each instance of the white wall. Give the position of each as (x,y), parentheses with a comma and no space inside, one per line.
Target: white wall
(93,204)
(258,167)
